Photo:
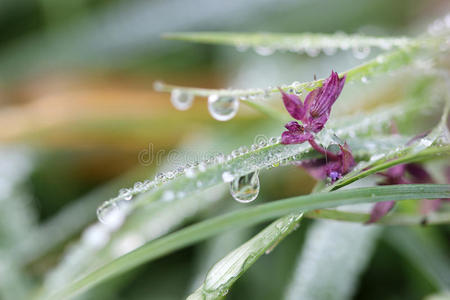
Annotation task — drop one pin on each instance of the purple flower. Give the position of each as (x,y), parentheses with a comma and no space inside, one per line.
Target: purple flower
(333,166)
(314,113)
(405,174)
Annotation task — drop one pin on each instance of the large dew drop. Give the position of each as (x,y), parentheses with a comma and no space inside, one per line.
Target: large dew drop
(223,108)
(181,100)
(245,188)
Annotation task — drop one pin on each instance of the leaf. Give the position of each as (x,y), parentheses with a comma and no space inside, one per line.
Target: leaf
(225,272)
(299,42)
(332,248)
(424,253)
(247,217)
(380,65)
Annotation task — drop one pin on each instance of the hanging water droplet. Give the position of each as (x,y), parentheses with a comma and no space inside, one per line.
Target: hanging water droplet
(364,79)
(361,52)
(227,176)
(223,108)
(245,188)
(181,100)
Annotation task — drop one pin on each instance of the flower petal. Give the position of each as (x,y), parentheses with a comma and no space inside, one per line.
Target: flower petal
(430,205)
(418,173)
(346,158)
(294,126)
(293,105)
(379,210)
(320,108)
(294,137)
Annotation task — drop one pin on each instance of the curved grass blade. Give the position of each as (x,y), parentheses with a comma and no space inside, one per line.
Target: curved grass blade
(299,42)
(382,64)
(423,252)
(332,248)
(225,272)
(247,217)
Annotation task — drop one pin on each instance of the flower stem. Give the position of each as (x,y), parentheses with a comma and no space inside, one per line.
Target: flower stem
(325,152)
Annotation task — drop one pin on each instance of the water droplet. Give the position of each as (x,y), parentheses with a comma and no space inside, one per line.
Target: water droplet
(364,79)
(111,214)
(241,47)
(329,50)
(96,236)
(361,52)
(227,176)
(158,86)
(168,196)
(312,52)
(202,166)
(264,51)
(245,188)
(223,108)
(190,172)
(181,100)
(161,177)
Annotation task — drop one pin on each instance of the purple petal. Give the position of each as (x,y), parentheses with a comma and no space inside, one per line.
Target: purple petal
(447,174)
(418,173)
(294,137)
(293,105)
(430,205)
(316,168)
(294,126)
(327,95)
(379,210)
(396,172)
(309,100)
(347,160)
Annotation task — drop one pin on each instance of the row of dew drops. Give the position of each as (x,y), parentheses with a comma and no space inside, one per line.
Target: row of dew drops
(243,188)
(225,107)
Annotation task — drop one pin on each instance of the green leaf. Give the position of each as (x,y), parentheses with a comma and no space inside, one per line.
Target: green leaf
(225,272)
(247,217)
(291,42)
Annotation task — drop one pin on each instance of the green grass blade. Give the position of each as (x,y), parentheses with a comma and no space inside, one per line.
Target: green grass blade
(224,273)
(247,217)
(332,248)
(291,42)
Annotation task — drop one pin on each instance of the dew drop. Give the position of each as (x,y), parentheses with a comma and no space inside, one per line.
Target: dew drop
(168,196)
(181,100)
(227,176)
(364,79)
(245,188)
(96,236)
(223,108)
(242,47)
(264,51)
(190,173)
(329,50)
(312,52)
(361,52)
(111,214)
